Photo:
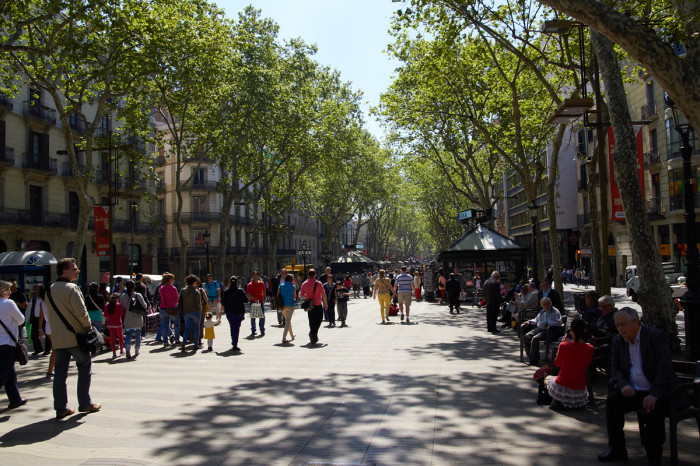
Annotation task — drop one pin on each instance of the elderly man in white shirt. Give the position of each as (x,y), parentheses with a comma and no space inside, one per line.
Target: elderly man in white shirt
(548,318)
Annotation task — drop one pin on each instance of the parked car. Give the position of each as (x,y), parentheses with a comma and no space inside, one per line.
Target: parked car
(633,284)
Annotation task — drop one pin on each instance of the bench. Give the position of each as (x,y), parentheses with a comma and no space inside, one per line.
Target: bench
(602,352)
(688,390)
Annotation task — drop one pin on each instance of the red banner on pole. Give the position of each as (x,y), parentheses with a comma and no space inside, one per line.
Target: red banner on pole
(102,231)
(618,212)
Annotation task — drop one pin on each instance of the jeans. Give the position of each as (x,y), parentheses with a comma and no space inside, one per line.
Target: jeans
(127,337)
(164,331)
(8,376)
(234,321)
(60,390)
(191,327)
(176,327)
(262,321)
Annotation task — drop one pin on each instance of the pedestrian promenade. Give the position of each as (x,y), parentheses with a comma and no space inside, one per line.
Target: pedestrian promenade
(438,391)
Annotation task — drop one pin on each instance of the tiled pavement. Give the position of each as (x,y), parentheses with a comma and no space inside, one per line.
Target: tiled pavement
(439,391)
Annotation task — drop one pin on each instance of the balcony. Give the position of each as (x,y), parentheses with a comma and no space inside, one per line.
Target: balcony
(676,201)
(124,226)
(7,155)
(652,158)
(204,185)
(239,220)
(40,112)
(6,103)
(76,124)
(200,217)
(44,164)
(67,170)
(655,210)
(33,218)
(649,112)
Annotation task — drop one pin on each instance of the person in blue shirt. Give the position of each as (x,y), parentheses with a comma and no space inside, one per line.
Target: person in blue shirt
(213,294)
(288,292)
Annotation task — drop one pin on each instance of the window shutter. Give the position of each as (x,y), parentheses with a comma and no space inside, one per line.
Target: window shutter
(44,148)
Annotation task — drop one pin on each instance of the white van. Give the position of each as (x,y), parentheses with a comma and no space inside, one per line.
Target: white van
(633,284)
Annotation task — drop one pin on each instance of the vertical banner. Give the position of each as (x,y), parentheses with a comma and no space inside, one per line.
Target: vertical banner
(102,231)
(618,212)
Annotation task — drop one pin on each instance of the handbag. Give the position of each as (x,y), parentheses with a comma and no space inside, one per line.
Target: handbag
(169,310)
(256,311)
(136,307)
(279,302)
(21,352)
(87,342)
(308,304)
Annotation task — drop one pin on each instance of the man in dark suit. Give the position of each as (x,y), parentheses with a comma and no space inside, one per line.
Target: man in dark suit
(643,375)
(492,295)
(546,291)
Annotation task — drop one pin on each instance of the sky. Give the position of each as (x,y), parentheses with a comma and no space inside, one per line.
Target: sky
(351,37)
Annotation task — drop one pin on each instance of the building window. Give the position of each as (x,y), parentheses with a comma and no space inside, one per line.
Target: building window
(199,204)
(651,102)
(675,187)
(35,199)
(197,176)
(73,208)
(654,141)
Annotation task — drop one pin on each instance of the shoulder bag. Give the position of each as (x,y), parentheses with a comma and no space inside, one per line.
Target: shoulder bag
(136,307)
(309,303)
(89,341)
(169,310)
(21,352)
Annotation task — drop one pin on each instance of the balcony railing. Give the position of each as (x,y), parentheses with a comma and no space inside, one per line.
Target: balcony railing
(124,226)
(33,218)
(201,217)
(76,124)
(648,111)
(204,185)
(40,112)
(654,205)
(677,202)
(651,158)
(43,163)
(6,103)
(7,155)
(239,220)
(67,170)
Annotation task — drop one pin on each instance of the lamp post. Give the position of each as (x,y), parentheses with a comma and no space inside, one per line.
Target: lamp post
(206,246)
(304,251)
(691,299)
(533,217)
(327,254)
(132,214)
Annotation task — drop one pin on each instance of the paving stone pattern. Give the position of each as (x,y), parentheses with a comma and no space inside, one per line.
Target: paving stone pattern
(440,391)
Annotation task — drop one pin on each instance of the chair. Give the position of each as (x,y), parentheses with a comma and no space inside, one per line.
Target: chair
(686,391)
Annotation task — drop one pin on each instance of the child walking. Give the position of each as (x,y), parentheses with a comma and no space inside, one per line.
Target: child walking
(209,324)
(114,314)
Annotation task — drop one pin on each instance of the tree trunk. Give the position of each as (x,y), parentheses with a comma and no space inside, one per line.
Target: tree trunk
(552,209)
(654,295)
(593,228)
(219,268)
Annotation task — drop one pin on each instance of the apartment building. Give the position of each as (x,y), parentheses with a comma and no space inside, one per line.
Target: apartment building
(38,194)
(515,215)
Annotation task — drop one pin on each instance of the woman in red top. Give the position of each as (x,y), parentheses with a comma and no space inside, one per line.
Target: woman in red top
(568,390)
(114,313)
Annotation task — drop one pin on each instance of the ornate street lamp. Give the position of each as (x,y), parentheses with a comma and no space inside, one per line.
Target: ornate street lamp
(304,252)
(533,217)
(691,299)
(327,254)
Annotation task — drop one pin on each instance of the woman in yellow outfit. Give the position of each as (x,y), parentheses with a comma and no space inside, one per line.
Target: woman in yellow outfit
(383,288)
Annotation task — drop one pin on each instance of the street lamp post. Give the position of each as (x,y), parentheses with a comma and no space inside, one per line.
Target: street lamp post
(327,255)
(206,246)
(691,299)
(533,217)
(304,252)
